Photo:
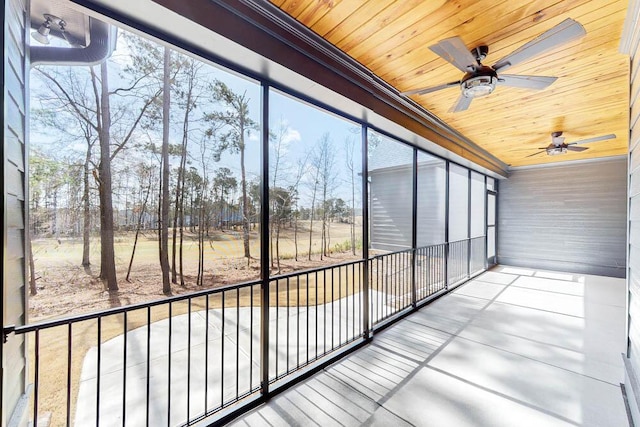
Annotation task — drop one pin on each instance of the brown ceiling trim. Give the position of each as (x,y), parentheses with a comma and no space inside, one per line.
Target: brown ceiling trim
(268,31)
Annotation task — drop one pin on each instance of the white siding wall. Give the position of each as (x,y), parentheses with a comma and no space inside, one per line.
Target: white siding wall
(391,208)
(573,217)
(631,45)
(13,281)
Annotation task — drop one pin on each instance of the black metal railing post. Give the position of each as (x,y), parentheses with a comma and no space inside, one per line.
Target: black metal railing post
(264,243)
(446,226)
(366,305)
(469,223)
(486,228)
(414,227)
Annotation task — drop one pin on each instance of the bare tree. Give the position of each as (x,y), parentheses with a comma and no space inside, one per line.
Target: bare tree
(164,214)
(324,162)
(349,153)
(97,112)
(278,145)
(148,173)
(188,95)
(103,177)
(223,183)
(58,108)
(238,124)
(314,191)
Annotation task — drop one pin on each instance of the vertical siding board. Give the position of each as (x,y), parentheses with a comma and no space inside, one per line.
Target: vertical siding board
(14,210)
(631,43)
(14,150)
(12,178)
(14,119)
(635,111)
(14,135)
(634,184)
(15,85)
(576,223)
(634,159)
(634,138)
(13,62)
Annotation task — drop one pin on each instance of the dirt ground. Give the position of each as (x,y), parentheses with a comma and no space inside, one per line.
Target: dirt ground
(66,288)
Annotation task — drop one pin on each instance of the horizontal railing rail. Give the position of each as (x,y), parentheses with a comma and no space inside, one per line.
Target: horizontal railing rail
(179,360)
(131,307)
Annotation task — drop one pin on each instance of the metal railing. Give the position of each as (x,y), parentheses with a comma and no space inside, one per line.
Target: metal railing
(185,358)
(167,362)
(478,256)
(430,271)
(390,279)
(315,312)
(458,261)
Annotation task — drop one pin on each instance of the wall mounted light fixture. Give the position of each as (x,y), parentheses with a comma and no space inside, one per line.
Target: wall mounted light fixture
(42,34)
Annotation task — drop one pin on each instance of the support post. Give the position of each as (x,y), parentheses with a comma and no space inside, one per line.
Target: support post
(469,223)
(366,304)
(414,234)
(446,227)
(264,242)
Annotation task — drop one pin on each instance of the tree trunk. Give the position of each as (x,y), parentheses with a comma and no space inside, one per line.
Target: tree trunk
(54,217)
(313,200)
(295,233)
(164,219)
(138,227)
(199,279)
(353,209)
(33,290)
(278,245)
(245,206)
(176,212)
(86,226)
(107,252)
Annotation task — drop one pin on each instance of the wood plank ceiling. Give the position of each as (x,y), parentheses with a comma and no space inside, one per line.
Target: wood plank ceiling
(589,99)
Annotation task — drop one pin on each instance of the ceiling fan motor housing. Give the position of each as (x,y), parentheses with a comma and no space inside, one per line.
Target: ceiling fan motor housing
(553,151)
(480,82)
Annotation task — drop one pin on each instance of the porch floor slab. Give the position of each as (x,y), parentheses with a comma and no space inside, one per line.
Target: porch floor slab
(514,346)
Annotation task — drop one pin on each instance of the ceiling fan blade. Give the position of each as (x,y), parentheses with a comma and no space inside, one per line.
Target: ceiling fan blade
(597,138)
(564,32)
(461,104)
(429,89)
(455,52)
(535,154)
(526,82)
(572,148)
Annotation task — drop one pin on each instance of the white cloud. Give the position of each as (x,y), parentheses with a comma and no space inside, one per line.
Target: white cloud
(292,135)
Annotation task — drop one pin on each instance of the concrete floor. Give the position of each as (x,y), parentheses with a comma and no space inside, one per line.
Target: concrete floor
(514,347)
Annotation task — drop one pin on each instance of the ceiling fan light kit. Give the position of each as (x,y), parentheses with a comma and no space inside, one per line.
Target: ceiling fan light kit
(481,80)
(478,86)
(554,151)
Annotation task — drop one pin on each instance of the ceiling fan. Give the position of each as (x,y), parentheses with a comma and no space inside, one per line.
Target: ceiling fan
(558,146)
(481,80)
